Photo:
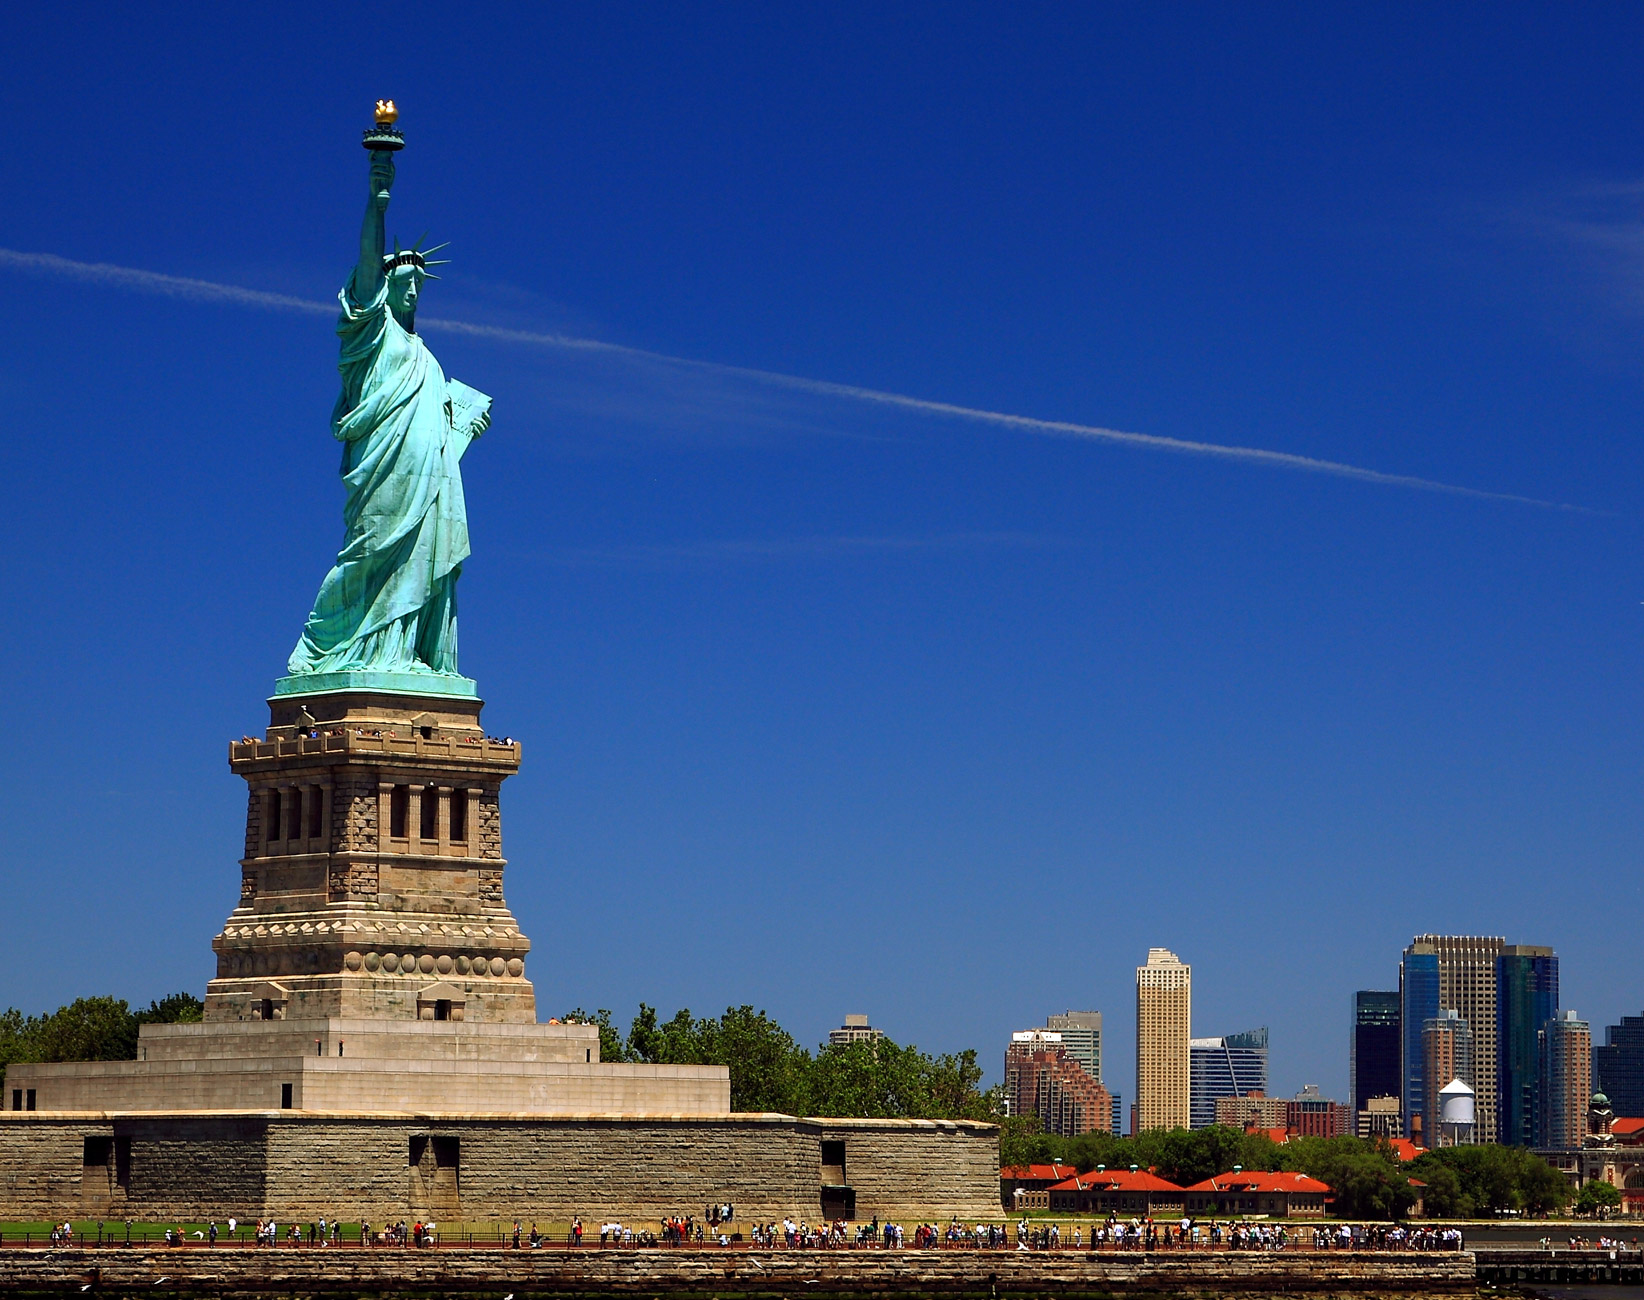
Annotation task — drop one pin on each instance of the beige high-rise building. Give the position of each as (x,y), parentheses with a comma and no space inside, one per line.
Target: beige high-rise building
(1164,1024)
(1467,985)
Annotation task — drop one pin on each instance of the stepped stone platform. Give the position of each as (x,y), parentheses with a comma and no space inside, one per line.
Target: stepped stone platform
(590,1271)
(343,1065)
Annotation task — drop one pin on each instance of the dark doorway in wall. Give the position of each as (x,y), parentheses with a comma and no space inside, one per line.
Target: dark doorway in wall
(435,1161)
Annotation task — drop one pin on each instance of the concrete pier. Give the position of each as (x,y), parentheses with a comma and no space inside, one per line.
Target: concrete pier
(591,1271)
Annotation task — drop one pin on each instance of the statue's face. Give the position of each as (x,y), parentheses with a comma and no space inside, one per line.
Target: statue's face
(404,286)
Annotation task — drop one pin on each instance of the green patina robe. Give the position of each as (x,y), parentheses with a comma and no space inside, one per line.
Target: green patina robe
(390,601)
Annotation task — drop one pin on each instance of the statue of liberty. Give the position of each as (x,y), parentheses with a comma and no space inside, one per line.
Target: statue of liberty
(389,605)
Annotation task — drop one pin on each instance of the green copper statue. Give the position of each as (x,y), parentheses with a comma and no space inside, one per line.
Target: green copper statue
(389,606)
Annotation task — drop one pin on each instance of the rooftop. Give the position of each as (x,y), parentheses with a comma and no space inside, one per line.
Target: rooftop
(1116,1180)
(1261,1180)
(1036,1173)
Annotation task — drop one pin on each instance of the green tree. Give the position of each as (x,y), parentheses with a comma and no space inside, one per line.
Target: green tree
(1442,1196)
(16,1044)
(956,1089)
(768,1069)
(645,1043)
(1545,1189)
(1491,1179)
(1022,1141)
(1366,1177)
(771,1072)
(883,1080)
(173,1009)
(1596,1196)
(88,1029)
(1185,1157)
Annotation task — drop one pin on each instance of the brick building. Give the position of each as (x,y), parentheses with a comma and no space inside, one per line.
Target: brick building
(1042,1079)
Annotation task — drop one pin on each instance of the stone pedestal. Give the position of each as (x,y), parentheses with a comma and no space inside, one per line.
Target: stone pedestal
(371,885)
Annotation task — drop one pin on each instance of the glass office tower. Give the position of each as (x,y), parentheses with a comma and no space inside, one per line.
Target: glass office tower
(1224,1067)
(1418,1003)
(1374,1065)
(1526,999)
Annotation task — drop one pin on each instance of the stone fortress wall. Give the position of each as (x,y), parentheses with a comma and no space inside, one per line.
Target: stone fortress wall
(291,1165)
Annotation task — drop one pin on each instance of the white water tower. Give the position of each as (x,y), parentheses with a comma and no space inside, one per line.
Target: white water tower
(1456,1114)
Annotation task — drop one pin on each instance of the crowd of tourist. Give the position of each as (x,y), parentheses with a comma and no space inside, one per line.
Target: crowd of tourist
(376,733)
(1386,1236)
(1602,1243)
(717,1226)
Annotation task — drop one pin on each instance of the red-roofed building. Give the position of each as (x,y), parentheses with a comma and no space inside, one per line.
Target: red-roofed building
(1405,1149)
(1628,1130)
(1126,1192)
(1023,1187)
(1256,1191)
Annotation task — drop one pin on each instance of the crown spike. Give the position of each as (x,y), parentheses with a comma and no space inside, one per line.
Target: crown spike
(436,248)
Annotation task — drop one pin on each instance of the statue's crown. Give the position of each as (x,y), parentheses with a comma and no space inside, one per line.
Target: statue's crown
(415,256)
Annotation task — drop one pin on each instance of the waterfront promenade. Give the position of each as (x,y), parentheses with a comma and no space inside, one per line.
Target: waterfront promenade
(462,1271)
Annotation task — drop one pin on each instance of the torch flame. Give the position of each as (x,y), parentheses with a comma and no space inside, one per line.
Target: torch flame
(387,114)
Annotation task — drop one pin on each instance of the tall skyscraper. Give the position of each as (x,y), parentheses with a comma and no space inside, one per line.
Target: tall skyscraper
(1618,1066)
(1164,1026)
(1418,1003)
(1566,1052)
(1373,1069)
(1526,999)
(1467,985)
(1449,1051)
(1081,1033)
(1224,1067)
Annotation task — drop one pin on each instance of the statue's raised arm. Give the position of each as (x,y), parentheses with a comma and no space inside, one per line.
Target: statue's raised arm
(373,239)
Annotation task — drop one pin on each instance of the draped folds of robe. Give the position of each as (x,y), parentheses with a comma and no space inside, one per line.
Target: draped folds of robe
(389,603)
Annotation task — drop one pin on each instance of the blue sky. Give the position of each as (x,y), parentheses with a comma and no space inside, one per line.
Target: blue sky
(831,705)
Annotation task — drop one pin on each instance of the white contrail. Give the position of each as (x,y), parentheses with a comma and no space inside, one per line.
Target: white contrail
(171,286)
(177,286)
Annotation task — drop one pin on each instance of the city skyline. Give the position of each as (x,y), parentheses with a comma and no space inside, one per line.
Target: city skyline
(1071,461)
(1538,1079)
